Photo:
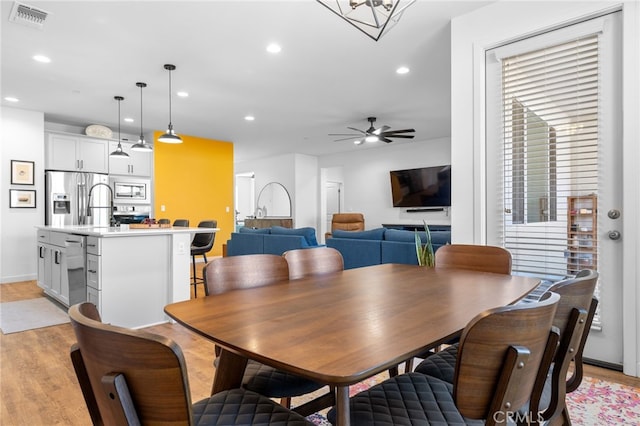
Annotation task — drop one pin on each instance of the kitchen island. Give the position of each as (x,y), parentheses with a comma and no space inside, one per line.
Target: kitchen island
(129,274)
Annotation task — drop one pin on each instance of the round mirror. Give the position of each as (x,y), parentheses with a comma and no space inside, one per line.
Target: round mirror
(273,201)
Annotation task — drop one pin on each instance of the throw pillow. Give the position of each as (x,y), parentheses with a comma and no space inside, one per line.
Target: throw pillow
(308,233)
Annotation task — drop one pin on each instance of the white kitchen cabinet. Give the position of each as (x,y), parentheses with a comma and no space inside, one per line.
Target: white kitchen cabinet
(51,261)
(137,164)
(76,153)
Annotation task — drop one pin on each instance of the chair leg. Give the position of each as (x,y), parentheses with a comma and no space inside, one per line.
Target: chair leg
(195,283)
(285,401)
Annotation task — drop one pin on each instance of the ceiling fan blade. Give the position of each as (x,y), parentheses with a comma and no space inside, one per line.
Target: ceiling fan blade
(380,130)
(345,134)
(357,130)
(347,138)
(400,131)
(383,139)
(399,136)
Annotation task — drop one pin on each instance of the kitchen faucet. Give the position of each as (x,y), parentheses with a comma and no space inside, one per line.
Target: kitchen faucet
(112,221)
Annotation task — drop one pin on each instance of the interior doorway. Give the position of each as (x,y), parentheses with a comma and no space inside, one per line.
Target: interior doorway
(245,197)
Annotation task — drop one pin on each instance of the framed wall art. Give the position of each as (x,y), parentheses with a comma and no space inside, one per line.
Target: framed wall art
(22,199)
(22,172)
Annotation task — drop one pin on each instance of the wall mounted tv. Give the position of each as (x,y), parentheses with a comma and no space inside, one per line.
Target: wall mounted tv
(423,187)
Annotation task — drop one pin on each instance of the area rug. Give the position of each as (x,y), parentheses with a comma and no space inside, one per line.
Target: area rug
(594,403)
(30,314)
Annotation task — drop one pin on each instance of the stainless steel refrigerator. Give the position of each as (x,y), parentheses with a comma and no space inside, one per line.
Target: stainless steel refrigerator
(77,198)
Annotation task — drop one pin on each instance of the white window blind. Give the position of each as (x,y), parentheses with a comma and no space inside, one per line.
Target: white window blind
(550,105)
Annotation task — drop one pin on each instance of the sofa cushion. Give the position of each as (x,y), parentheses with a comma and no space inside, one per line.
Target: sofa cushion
(403,236)
(247,230)
(308,233)
(372,234)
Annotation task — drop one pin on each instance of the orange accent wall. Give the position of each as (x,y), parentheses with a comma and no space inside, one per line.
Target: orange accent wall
(194,180)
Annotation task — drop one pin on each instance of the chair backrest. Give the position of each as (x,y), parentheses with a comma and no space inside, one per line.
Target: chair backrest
(347,222)
(205,240)
(573,320)
(474,257)
(499,358)
(164,221)
(313,261)
(152,368)
(182,222)
(224,274)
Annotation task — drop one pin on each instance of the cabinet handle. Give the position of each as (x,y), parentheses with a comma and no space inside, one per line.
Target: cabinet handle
(92,271)
(91,245)
(41,250)
(56,257)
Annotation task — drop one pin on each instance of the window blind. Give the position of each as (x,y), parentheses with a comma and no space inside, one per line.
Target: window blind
(550,126)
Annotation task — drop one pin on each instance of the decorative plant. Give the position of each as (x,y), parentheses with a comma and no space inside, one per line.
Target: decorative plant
(425,251)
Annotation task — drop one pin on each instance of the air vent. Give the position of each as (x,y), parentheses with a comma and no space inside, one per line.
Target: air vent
(28,15)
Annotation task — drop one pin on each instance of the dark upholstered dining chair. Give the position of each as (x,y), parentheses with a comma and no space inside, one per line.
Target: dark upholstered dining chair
(164,221)
(181,223)
(132,377)
(500,355)
(573,320)
(313,261)
(225,274)
(202,243)
(471,257)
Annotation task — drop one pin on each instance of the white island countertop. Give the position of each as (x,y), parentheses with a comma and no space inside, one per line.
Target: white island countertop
(107,232)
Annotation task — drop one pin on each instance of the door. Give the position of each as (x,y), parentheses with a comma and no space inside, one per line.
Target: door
(553,120)
(334,190)
(245,197)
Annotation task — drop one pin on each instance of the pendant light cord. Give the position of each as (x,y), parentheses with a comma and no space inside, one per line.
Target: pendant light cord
(170,125)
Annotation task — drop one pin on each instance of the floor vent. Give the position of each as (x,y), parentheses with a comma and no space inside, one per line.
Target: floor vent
(28,15)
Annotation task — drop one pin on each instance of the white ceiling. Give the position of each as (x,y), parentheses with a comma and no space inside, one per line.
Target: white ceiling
(328,75)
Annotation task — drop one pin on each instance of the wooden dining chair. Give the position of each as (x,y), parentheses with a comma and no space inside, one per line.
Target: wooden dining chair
(314,261)
(471,257)
(573,320)
(500,355)
(131,377)
(254,270)
(474,257)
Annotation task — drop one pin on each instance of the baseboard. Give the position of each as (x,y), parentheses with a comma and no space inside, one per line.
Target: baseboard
(602,364)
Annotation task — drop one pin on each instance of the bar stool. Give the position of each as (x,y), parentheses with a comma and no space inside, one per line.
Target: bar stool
(181,222)
(201,244)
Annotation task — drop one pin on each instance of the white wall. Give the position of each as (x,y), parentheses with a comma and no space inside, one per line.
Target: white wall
(306,191)
(22,138)
(477,31)
(367,186)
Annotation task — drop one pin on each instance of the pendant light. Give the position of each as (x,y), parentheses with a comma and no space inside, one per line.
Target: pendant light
(142,145)
(119,153)
(170,136)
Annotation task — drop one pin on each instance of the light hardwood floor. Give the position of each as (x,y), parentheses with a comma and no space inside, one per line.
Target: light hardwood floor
(38,385)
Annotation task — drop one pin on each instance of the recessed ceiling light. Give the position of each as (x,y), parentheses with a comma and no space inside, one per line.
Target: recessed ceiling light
(403,70)
(249,117)
(128,120)
(183,94)
(274,48)
(11,99)
(41,58)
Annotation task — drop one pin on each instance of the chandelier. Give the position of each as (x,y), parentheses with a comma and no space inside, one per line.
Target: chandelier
(372,17)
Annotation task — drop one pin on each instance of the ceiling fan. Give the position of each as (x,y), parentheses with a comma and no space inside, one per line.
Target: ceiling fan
(373,134)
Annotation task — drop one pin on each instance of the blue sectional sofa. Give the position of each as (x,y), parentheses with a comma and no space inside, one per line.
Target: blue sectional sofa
(274,240)
(381,245)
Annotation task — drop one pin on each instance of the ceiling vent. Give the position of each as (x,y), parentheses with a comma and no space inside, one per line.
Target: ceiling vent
(28,15)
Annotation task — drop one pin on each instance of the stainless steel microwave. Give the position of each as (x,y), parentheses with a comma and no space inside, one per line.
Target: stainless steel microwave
(133,191)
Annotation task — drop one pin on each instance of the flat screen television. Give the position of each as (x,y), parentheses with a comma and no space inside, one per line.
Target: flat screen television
(423,187)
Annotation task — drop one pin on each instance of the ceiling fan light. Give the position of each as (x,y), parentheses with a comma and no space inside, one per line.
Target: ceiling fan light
(358,142)
(371,138)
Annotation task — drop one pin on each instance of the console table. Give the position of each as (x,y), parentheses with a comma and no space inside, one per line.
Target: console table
(269,222)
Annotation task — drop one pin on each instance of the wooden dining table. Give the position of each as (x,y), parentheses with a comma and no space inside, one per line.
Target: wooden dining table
(342,328)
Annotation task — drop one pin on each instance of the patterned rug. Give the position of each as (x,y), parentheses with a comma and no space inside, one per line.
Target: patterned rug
(594,403)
